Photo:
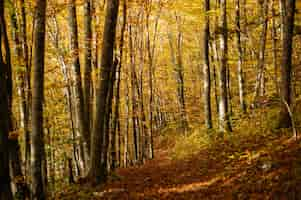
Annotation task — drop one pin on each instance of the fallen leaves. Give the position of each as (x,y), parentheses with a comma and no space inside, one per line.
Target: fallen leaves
(252,168)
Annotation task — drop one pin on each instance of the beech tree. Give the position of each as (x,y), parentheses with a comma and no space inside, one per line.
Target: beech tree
(176,51)
(288,17)
(83,124)
(165,67)
(5,117)
(206,67)
(224,122)
(88,66)
(240,63)
(15,151)
(98,168)
(37,135)
(260,78)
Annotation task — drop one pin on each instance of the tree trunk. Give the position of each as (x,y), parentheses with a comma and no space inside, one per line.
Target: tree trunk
(27,87)
(224,123)
(108,120)
(216,57)
(97,172)
(37,141)
(88,64)
(240,74)
(259,85)
(176,59)
(15,158)
(127,125)
(78,91)
(5,187)
(286,62)
(151,52)
(133,78)
(206,68)
(116,123)
(274,46)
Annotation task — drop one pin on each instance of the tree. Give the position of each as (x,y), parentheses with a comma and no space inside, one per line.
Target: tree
(15,154)
(206,68)
(116,122)
(134,96)
(224,123)
(288,17)
(177,62)
(98,173)
(27,100)
(37,140)
(78,90)
(5,189)
(260,82)
(88,63)
(240,58)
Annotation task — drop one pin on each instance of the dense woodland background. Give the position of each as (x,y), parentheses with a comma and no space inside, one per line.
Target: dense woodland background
(99,93)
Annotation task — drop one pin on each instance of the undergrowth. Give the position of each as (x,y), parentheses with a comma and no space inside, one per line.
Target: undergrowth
(258,124)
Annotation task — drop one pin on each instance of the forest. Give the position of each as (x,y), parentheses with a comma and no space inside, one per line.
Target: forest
(150,99)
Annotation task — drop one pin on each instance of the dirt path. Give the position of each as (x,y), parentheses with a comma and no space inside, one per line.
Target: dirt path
(163,178)
(252,170)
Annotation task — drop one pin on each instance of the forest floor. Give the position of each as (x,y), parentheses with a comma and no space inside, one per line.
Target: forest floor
(255,167)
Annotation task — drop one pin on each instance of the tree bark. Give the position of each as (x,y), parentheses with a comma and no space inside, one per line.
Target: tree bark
(27,101)
(224,123)
(37,142)
(240,74)
(286,62)
(176,59)
(88,64)
(15,153)
(55,36)
(97,172)
(151,73)
(206,68)
(133,77)
(78,91)
(259,85)
(274,46)
(5,188)
(116,123)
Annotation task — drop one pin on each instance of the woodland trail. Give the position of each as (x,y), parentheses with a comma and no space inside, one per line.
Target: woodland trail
(248,170)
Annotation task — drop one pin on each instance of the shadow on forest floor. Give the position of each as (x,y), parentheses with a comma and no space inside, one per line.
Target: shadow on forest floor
(258,167)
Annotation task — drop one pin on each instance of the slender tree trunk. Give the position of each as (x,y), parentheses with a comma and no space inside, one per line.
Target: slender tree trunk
(215,86)
(229,92)
(116,122)
(151,52)
(127,125)
(240,74)
(26,103)
(282,10)
(206,68)
(97,172)
(259,85)
(78,91)
(88,64)
(286,62)
(274,46)
(224,123)
(110,134)
(15,153)
(144,131)
(133,77)
(37,141)
(216,57)
(176,59)
(55,36)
